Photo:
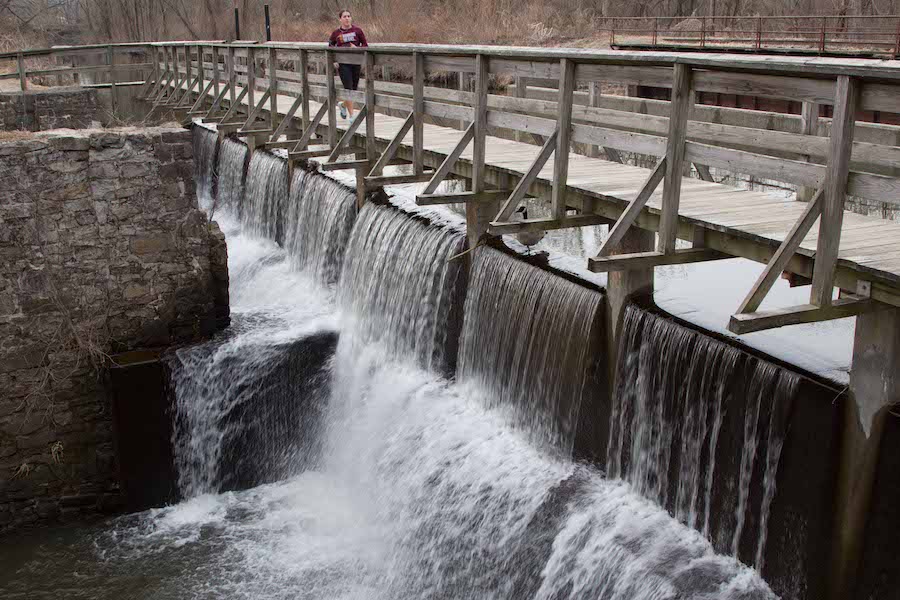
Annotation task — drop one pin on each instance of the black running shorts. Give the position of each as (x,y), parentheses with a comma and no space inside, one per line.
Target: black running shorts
(349,76)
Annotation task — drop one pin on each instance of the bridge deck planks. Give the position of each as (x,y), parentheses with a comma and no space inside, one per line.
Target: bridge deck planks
(865,241)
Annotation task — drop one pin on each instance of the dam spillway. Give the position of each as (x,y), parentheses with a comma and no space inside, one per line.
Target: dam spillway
(350,436)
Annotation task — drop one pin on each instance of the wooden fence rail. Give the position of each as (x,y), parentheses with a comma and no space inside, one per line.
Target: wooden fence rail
(238,86)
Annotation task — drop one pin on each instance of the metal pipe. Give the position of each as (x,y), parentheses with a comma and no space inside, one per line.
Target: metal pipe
(237,24)
(268,24)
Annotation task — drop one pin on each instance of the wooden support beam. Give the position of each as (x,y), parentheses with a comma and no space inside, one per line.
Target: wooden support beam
(451,159)
(522,187)
(480,122)
(457,197)
(251,77)
(846,99)
(215,70)
(783,255)
(418,111)
(311,129)
(282,144)
(217,103)
(332,99)
(703,172)
(310,152)
(343,164)
(111,63)
(303,66)
(286,121)
(563,138)
(20,65)
(383,180)
(273,87)
(254,113)
(195,107)
(646,260)
(682,99)
(232,75)
(804,313)
(371,149)
(501,227)
(630,214)
(809,125)
(232,110)
(344,142)
(392,147)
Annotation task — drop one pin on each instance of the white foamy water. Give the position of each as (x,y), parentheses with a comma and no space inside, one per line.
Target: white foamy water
(418,490)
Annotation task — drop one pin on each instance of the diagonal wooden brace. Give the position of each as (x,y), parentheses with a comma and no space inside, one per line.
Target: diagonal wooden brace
(522,187)
(251,118)
(388,155)
(451,159)
(311,128)
(286,121)
(630,214)
(348,135)
(782,256)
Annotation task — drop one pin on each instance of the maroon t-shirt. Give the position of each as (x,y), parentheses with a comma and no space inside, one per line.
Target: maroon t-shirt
(345,38)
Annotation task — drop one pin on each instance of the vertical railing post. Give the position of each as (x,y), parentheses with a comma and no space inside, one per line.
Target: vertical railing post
(273,86)
(371,153)
(251,79)
(655,29)
(897,42)
(232,76)
(758,33)
(215,70)
(682,99)
(612,33)
(304,90)
(188,73)
(480,116)
(564,129)
(521,92)
(822,37)
(418,112)
(809,125)
(20,61)
(837,172)
(176,70)
(478,214)
(332,98)
(111,64)
(594,93)
(703,32)
(154,51)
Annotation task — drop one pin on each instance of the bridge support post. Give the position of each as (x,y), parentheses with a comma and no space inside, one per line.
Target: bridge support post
(620,287)
(874,389)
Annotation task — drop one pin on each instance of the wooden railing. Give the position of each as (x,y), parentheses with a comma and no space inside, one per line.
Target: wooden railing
(237,86)
(821,34)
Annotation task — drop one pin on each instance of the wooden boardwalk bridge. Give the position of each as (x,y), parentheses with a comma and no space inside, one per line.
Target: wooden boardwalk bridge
(566,144)
(510,147)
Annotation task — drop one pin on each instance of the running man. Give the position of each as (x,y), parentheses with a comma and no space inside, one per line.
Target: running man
(348,35)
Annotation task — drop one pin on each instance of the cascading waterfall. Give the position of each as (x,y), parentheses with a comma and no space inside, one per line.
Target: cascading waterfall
(542,332)
(677,391)
(232,174)
(318,221)
(418,488)
(400,283)
(205,147)
(265,197)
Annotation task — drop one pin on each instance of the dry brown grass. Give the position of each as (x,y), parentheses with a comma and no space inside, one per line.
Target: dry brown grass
(504,22)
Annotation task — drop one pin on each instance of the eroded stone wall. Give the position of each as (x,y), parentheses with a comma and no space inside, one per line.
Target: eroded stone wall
(54,108)
(102,250)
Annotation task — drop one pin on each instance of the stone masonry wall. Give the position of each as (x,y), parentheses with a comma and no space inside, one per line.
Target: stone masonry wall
(55,108)
(102,250)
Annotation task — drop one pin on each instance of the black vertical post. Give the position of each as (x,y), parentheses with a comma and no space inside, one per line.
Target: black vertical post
(268,25)
(237,24)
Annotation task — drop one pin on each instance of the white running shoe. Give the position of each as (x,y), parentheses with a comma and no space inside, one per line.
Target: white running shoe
(343,110)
